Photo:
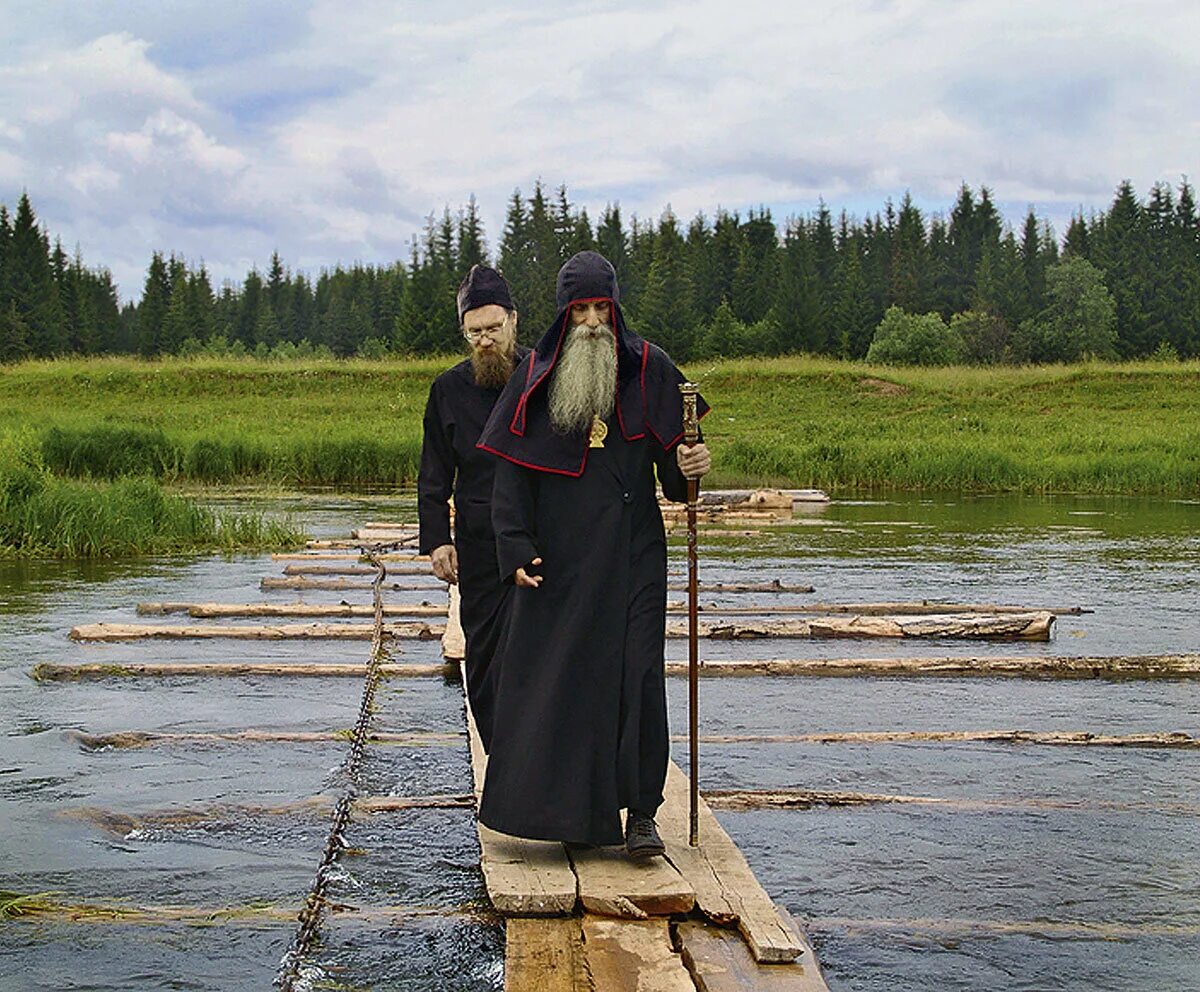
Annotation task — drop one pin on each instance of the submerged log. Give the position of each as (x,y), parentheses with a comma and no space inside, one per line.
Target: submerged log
(344,556)
(739,587)
(211,610)
(1161,666)
(345,568)
(125,740)
(1070,738)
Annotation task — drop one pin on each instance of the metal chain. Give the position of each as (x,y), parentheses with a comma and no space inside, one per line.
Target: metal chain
(309,921)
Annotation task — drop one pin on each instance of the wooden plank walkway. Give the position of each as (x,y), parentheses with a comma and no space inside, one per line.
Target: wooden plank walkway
(628,909)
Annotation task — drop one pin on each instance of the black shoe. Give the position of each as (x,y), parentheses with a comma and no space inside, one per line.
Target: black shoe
(641,837)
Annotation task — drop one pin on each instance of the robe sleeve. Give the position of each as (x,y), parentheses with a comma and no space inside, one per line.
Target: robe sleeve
(514,507)
(435,480)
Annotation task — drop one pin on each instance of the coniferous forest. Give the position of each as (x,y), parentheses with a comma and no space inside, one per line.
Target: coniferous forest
(896,286)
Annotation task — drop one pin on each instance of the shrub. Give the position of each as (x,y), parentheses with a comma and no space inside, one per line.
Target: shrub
(986,337)
(915,339)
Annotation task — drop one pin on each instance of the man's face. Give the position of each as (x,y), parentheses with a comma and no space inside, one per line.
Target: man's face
(490,330)
(594,315)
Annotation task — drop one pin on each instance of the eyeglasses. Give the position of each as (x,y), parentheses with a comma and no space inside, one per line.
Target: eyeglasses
(493,332)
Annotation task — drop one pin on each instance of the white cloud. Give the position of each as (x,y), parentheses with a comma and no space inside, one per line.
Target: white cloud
(328,131)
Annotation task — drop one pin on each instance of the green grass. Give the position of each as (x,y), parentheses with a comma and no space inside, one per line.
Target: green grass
(1092,428)
(43,515)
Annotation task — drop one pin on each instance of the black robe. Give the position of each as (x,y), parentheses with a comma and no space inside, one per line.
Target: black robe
(451,463)
(580,726)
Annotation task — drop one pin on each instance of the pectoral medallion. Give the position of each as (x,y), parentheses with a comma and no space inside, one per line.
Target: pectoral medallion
(598,433)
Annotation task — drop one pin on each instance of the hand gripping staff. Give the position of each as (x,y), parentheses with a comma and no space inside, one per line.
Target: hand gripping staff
(691,435)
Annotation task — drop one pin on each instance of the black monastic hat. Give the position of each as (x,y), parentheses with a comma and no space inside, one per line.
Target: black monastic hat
(483,285)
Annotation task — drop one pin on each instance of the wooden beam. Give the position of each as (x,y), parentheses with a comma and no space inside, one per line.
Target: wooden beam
(633,955)
(545,955)
(719,961)
(726,889)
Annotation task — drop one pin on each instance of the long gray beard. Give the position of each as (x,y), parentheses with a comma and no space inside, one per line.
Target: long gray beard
(585,379)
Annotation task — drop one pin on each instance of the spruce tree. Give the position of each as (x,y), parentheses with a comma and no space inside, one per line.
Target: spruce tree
(754,279)
(538,293)
(14,335)
(472,249)
(665,314)
(152,311)
(612,243)
(853,318)
(798,294)
(31,285)
(910,270)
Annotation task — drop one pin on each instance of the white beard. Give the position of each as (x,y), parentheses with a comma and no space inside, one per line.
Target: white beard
(585,379)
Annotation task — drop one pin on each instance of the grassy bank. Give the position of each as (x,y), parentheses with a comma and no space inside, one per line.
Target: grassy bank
(1097,428)
(44,515)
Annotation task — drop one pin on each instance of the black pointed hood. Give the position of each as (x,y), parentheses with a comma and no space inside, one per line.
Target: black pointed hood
(648,398)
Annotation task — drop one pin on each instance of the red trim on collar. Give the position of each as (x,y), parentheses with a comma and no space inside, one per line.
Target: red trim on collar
(536,468)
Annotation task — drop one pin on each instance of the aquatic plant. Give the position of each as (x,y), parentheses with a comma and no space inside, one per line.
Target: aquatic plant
(44,515)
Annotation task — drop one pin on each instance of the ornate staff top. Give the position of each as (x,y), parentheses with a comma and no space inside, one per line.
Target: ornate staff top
(691,422)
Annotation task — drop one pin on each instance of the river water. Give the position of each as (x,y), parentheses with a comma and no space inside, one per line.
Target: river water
(1048,868)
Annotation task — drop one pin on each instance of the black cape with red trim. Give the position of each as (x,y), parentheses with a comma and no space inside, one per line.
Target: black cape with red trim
(647,401)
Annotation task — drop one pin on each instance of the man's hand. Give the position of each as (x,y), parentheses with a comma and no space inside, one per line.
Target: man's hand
(445,563)
(694,461)
(523,578)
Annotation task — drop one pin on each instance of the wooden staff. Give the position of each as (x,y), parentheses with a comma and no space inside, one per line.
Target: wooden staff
(691,435)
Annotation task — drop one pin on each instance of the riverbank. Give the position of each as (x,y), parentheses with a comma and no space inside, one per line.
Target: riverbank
(1131,428)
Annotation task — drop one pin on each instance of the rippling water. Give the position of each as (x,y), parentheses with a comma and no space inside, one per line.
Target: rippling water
(1045,868)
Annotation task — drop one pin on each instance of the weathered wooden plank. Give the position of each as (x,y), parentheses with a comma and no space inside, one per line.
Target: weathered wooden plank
(253,632)
(53,672)
(720,961)
(634,955)
(545,955)
(523,877)
(726,889)
(613,885)
(214,610)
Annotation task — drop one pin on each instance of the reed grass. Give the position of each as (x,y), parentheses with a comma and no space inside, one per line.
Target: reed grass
(1130,428)
(45,515)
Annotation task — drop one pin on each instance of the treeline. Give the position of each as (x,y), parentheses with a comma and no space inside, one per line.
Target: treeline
(963,287)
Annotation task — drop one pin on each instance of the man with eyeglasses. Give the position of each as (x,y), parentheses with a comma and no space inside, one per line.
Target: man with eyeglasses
(460,401)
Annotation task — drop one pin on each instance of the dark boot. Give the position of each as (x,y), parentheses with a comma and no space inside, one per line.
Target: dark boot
(641,837)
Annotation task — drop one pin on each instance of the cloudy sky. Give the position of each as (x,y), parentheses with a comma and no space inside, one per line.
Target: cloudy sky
(329,131)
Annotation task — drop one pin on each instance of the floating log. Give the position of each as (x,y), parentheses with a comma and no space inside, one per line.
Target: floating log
(923,607)
(739,587)
(401,568)
(254,632)
(344,556)
(117,822)
(1100,667)
(386,535)
(301,582)
(1015,626)
(726,889)
(216,610)
(342,544)
(132,739)
(1176,740)
(1185,666)
(719,961)
(1079,929)
(51,672)
(803,799)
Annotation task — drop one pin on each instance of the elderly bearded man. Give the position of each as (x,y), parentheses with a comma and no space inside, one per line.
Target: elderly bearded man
(583,426)
(460,401)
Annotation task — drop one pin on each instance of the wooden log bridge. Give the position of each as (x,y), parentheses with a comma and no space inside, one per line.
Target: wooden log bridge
(591,919)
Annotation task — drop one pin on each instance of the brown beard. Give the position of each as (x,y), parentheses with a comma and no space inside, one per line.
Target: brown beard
(492,369)
(585,380)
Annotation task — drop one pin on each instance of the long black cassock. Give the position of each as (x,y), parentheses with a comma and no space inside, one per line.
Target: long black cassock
(451,463)
(580,723)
